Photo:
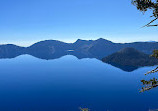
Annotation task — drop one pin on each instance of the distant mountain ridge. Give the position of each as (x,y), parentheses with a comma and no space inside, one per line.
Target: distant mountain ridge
(99,49)
(95,48)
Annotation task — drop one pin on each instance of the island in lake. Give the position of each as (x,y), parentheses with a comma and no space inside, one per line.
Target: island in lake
(126,56)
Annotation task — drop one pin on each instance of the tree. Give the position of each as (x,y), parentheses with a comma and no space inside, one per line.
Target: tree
(152,83)
(145,5)
(84,109)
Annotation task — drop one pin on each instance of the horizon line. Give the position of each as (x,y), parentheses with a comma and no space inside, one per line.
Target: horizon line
(33,42)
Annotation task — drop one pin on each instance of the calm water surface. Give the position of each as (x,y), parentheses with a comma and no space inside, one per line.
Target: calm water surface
(65,84)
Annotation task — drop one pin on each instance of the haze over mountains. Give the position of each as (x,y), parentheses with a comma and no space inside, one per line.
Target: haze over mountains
(52,49)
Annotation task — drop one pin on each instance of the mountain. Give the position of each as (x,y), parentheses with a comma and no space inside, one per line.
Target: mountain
(100,48)
(51,49)
(48,49)
(48,46)
(11,51)
(151,41)
(130,57)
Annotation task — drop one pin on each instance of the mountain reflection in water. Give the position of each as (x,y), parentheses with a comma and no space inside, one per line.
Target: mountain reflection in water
(78,54)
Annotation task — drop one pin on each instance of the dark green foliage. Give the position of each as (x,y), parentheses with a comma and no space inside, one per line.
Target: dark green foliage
(155,54)
(144,5)
(150,84)
(84,109)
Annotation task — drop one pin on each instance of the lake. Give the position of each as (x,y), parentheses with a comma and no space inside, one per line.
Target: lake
(67,83)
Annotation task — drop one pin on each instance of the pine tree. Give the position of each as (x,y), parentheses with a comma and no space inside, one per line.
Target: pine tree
(145,5)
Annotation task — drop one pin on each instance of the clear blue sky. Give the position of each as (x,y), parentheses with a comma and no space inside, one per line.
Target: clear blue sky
(26,21)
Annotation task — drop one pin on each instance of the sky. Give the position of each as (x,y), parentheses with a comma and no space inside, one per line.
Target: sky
(24,22)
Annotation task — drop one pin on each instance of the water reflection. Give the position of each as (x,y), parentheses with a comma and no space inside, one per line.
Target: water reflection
(48,55)
(68,83)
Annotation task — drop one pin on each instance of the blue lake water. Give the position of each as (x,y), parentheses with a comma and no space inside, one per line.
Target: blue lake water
(65,84)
